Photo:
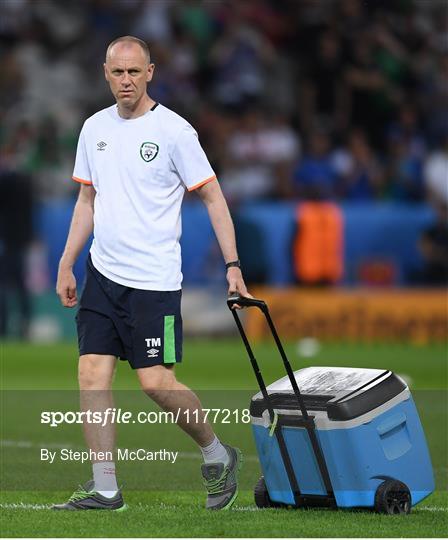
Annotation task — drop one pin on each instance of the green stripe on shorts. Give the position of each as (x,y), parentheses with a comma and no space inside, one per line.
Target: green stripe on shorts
(169,346)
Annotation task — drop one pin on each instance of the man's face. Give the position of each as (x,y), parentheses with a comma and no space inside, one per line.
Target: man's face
(127,71)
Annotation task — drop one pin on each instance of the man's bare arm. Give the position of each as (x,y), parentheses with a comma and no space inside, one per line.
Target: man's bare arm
(222,224)
(80,230)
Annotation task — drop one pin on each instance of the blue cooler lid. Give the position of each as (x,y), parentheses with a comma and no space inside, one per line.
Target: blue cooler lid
(344,393)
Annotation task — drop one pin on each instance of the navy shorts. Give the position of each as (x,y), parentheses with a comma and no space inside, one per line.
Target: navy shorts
(143,327)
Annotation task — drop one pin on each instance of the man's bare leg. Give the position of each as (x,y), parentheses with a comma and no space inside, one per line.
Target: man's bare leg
(95,375)
(161,385)
(222,462)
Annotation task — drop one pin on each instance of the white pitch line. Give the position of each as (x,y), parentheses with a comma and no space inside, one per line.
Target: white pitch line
(30,444)
(140,507)
(163,506)
(245,508)
(433,508)
(192,455)
(24,506)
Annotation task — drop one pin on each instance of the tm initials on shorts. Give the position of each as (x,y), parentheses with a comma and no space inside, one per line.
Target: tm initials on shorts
(143,327)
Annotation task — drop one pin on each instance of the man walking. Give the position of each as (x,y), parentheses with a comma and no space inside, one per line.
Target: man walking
(134,161)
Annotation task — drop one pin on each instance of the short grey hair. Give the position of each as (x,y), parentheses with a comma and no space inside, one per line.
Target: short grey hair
(130,39)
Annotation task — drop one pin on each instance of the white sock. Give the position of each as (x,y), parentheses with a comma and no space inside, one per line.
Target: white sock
(215,452)
(104,478)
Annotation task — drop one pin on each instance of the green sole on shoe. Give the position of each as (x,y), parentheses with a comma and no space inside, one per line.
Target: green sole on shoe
(235,495)
(230,503)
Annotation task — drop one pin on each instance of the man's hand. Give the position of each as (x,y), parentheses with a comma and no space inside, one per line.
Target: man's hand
(66,287)
(81,228)
(236,284)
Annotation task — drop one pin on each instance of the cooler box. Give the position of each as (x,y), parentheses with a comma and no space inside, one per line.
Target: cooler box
(366,424)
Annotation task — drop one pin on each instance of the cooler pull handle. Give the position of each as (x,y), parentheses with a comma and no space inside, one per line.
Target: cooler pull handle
(309,422)
(253,302)
(246,302)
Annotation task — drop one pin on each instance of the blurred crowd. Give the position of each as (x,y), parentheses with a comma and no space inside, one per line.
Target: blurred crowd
(340,100)
(326,99)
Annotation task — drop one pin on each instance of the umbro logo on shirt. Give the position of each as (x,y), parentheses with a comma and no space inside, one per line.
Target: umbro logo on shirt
(101,145)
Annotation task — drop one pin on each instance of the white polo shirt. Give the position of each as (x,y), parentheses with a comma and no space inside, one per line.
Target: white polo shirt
(140,169)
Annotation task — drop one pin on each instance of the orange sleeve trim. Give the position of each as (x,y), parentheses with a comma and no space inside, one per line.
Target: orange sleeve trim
(81,181)
(196,186)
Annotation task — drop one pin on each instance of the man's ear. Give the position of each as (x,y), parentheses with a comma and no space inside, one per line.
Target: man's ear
(105,72)
(150,72)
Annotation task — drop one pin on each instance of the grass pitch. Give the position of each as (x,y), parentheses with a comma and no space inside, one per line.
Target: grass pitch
(165,501)
(182,514)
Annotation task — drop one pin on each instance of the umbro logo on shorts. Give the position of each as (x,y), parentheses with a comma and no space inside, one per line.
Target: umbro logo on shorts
(153,342)
(101,145)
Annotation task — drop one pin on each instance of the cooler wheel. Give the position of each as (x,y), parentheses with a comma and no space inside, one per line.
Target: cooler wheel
(261,496)
(393,497)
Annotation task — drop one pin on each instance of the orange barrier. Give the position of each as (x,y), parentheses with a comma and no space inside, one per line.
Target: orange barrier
(419,316)
(318,245)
